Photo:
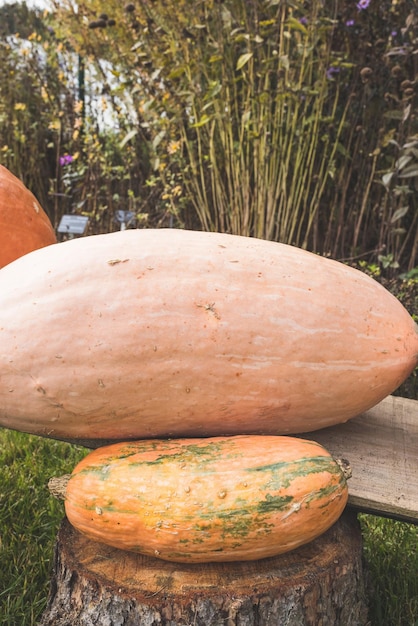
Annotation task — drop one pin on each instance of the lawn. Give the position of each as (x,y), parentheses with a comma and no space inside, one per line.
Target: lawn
(29,520)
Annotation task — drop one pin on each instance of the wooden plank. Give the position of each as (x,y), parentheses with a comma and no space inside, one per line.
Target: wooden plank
(381,446)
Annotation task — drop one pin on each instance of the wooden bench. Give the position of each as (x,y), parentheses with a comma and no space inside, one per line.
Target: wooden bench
(381,446)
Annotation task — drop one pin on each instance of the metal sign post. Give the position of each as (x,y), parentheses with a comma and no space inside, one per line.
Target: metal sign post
(124,217)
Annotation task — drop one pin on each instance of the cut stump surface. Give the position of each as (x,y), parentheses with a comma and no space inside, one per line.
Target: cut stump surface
(320,584)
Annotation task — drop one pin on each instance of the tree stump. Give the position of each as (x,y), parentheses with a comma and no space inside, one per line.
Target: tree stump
(320,584)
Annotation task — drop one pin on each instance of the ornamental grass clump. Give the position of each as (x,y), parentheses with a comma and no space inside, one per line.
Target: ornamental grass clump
(250,95)
(279,120)
(267,124)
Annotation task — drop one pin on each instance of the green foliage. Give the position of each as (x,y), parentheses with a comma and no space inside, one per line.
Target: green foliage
(26,105)
(29,519)
(271,119)
(243,117)
(53,132)
(17,18)
(289,121)
(412,275)
(372,269)
(392,562)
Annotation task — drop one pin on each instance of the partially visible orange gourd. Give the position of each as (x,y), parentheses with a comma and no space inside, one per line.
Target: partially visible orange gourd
(201,500)
(171,333)
(24,225)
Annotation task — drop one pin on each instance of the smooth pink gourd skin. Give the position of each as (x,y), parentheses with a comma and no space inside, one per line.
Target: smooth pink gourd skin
(156,333)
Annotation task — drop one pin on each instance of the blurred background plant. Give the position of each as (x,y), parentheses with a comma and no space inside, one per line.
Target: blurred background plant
(294,121)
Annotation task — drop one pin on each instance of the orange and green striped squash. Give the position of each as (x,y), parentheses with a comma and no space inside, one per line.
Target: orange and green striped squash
(235,498)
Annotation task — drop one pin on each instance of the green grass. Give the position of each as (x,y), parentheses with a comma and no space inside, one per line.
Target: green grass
(29,520)
(391,555)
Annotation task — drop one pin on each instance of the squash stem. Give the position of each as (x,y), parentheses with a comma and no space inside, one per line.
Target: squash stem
(345,467)
(57,486)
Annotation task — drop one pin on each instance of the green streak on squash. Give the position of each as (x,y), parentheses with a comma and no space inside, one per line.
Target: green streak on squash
(222,499)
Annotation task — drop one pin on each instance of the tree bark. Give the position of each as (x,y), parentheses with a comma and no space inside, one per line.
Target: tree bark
(320,584)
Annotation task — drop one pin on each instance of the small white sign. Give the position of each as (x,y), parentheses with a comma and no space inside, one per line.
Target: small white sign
(73,224)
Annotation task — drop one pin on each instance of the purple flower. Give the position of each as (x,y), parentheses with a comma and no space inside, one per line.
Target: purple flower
(363,4)
(66,159)
(303,20)
(349,23)
(331,71)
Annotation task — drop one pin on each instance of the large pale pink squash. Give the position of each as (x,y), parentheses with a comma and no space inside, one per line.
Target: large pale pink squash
(155,333)
(24,225)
